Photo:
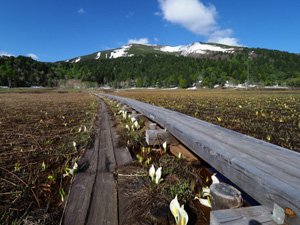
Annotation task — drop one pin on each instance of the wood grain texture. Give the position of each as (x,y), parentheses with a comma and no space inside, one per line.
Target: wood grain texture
(268,173)
(256,215)
(94,197)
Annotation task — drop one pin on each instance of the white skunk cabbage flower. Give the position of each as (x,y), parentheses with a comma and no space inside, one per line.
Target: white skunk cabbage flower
(206,192)
(205,202)
(215,180)
(152,172)
(79,130)
(127,127)
(74,145)
(136,124)
(74,169)
(71,171)
(183,216)
(133,119)
(125,115)
(158,175)
(165,146)
(84,128)
(179,155)
(180,215)
(174,207)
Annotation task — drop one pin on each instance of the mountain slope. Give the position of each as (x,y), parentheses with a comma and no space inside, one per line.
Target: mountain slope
(193,50)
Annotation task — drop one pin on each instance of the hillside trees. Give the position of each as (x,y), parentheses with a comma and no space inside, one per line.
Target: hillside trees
(266,67)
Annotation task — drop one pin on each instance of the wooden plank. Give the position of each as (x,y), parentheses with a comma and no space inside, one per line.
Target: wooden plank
(122,156)
(93,197)
(268,173)
(78,204)
(243,216)
(186,154)
(103,209)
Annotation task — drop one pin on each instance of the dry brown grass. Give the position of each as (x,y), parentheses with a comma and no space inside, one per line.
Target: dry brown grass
(36,129)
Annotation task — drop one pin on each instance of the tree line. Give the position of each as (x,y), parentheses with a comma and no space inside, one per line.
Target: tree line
(266,67)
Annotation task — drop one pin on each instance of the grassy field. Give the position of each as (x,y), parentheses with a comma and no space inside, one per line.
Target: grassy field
(273,116)
(38,132)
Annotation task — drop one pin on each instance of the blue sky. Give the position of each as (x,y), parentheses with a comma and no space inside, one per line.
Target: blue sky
(53,30)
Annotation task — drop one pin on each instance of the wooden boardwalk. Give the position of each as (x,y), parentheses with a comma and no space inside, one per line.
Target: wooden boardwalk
(268,173)
(94,195)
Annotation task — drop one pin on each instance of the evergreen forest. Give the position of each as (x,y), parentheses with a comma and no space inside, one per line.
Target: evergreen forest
(265,67)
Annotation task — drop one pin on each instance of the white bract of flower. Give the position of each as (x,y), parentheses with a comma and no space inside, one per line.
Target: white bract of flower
(204,202)
(180,215)
(158,175)
(125,115)
(74,169)
(136,125)
(206,192)
(215,180)
(127,127)
(74,144)
(133,119)
(179,155)
(165,145)
(71,171)
(152,172)
(174,207)
(183,216)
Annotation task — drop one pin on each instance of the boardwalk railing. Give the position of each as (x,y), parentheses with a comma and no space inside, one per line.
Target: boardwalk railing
(268,173)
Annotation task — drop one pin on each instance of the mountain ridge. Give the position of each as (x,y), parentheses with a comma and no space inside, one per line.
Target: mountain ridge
(193,49)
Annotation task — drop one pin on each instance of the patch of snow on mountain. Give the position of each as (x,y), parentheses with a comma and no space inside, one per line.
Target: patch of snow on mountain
(120,52)
(78,59)
(196,47)
(98,55)
(170,49)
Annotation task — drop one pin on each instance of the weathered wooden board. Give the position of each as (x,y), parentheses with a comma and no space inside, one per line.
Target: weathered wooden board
(243,216)
(93,197)
(103,208)
(186,154)
(79,198)
(122,156)
(268,173)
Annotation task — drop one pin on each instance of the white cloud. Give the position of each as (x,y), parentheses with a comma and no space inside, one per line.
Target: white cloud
(156,39)
(191,14)
(81,11)
(223,37)
(197,18)
(143,41)
(3,53)
(33,56)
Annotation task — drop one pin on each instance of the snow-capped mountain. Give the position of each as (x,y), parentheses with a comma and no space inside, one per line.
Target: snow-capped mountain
(194,49)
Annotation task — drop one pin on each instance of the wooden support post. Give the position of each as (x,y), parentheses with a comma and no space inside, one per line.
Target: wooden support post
(152,126)
(225,196)
(155,137)
(138,116)
(127,108)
